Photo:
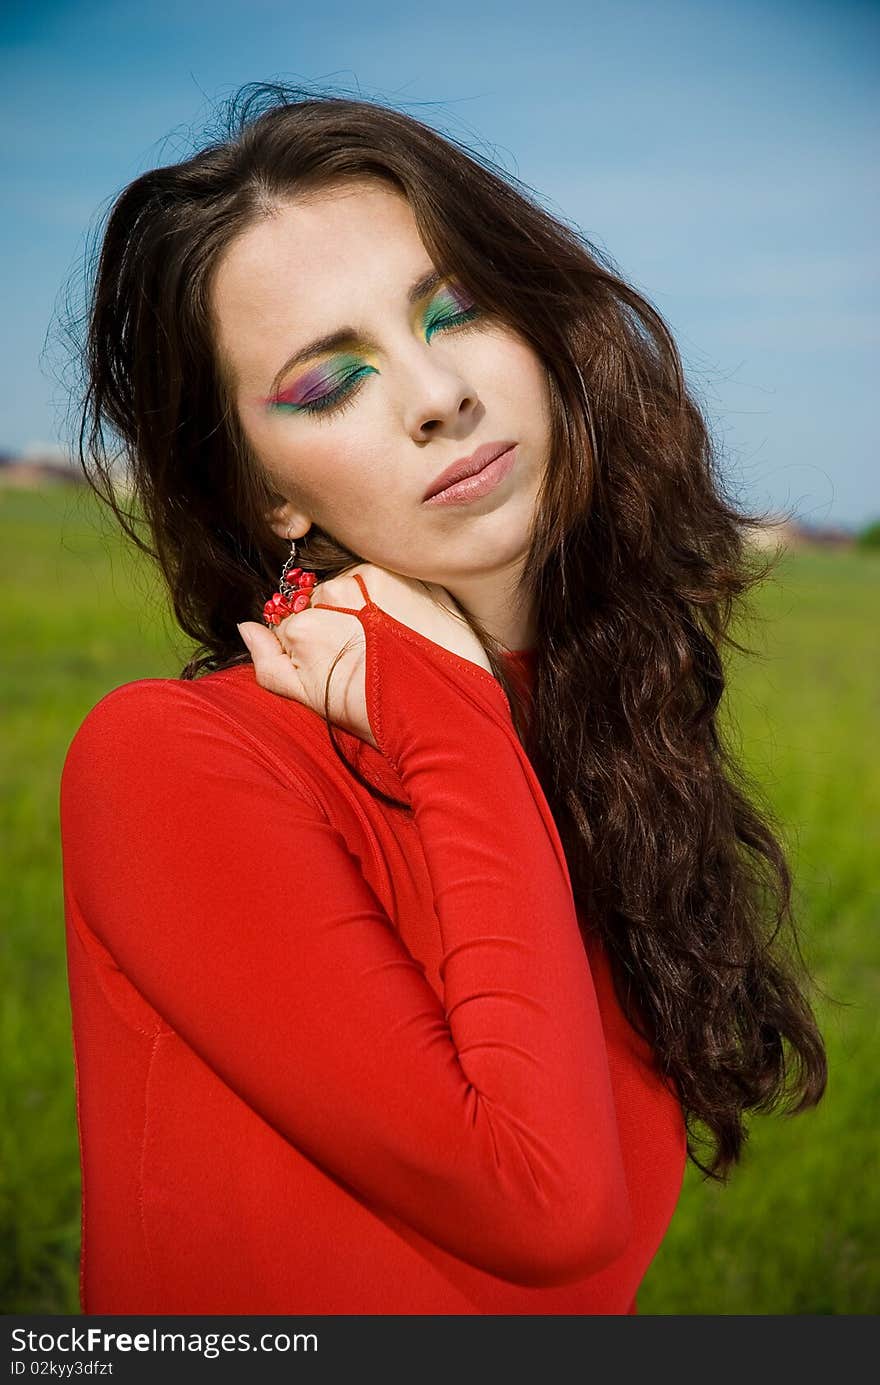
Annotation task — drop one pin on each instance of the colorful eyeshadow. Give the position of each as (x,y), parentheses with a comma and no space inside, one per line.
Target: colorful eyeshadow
(319,381)
(325,385)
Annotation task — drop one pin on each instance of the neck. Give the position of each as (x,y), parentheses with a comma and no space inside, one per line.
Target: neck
(500,604)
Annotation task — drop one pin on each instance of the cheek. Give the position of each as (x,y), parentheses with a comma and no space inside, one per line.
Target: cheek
(334,479)
(533,374)
(535,388)
(518,371)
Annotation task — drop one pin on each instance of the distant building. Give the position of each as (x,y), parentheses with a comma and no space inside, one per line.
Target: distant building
(828,535)
(775,533)
(38,466)
(793,534)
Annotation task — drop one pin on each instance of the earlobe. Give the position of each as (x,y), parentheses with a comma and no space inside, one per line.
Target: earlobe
(288,523)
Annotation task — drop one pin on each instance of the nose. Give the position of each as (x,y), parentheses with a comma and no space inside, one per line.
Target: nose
(433,424)
(438,395)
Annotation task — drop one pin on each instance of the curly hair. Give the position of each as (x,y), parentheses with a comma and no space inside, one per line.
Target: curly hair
(638,563)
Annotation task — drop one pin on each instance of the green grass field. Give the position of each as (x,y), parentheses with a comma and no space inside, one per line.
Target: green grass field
(795,1231)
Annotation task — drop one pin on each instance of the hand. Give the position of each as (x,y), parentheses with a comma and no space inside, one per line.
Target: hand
(294,659)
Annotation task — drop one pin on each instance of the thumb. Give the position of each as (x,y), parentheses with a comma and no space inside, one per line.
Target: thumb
(272,667)
(262,644)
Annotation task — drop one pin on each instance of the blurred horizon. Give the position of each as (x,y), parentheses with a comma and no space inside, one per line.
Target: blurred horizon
(722,157)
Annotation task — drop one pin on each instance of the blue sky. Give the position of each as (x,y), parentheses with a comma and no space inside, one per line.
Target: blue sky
(719,152)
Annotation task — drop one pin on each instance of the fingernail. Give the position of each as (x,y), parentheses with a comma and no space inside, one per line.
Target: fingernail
(244,636)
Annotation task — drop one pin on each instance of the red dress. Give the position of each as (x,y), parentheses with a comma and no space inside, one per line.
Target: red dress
(335,1058)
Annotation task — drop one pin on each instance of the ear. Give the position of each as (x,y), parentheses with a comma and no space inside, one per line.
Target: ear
(288,522)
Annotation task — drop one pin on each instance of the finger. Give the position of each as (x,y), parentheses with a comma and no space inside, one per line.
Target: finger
(272,665)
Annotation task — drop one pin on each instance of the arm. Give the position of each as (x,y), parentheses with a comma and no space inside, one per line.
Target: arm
(231,903)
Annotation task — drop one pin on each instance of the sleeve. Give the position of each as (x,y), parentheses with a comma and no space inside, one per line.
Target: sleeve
(485,1121)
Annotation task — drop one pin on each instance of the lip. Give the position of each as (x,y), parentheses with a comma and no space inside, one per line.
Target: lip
(466,467)
(480,483)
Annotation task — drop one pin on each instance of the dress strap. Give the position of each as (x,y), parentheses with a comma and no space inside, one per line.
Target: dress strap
(363,586)
(346,610)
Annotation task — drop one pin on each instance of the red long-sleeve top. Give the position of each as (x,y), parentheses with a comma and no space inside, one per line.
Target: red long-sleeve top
(335,1058)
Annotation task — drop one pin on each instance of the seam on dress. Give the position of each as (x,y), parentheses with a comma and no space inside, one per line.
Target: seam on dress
(438,651)
(82,1171)
(90,943)
(148,1255)
(373,677)
(271,758)
(420,641)
(268,756)
(86,936)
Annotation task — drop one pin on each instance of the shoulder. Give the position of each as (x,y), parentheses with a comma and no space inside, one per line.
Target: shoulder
(169,704)
(165,704)
(153,729)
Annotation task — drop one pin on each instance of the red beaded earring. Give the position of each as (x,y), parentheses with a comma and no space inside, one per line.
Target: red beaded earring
(294,591)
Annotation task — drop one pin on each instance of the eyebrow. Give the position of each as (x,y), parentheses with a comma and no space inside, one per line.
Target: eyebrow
(347,336)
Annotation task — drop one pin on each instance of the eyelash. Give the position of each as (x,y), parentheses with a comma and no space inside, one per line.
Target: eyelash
(338,400)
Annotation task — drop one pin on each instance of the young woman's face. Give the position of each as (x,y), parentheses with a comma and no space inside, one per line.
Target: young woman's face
(353,434)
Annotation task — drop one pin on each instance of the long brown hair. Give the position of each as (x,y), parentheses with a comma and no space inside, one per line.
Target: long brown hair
(638,563)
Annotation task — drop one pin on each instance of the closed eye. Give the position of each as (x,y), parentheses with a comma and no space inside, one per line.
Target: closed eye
(461,319)
(337,401)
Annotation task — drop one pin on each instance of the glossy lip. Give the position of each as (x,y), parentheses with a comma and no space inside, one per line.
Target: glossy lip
(481,483)
(467,466)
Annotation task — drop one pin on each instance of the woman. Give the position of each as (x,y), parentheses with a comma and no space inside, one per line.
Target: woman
(410,945)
